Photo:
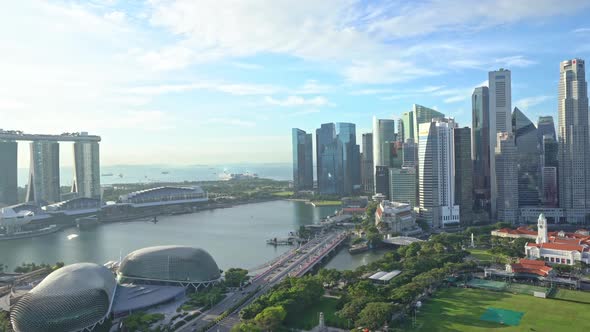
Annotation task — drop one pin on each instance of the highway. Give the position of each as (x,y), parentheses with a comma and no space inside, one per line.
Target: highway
(296,262)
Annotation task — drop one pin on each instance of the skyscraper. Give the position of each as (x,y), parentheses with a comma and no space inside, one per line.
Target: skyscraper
(349,170)
(481,150)
(573,140)
(8,173)
(421,114)
(436,179)
(327,159)
(500,90)
(549,163)
(383,131)
(302,160)
(402,185)
(393,154)
(528,159)
(410,153)
(407,126)
(463,174)
(507,177)
(86,169)
(382,181)
(545,126)
(44,185)
(367,168)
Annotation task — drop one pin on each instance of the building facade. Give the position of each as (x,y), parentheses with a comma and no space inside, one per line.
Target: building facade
(402,185)
(500,116)
(436,184)
(507,178)
(573,140)
(86,169)
(383,131)
(421,114)
(367,167)
(395,217)
(546,126)
(463,174)
(8,173)
(528,159)
(382,181)
(44,184)
(481,152)
(327,159)
(407,126)
(302,160)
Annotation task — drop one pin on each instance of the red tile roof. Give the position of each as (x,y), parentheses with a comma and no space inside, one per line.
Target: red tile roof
(518,231)
(557,246)
(532,267)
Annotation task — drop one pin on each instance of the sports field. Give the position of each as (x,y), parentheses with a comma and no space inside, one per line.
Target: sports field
(571,295)
(461,309)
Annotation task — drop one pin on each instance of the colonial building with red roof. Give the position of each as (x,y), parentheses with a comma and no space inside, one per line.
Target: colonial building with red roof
(532,267)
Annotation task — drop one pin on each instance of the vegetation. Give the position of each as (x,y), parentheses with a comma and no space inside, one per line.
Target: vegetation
(236,277)
(30,267)
(571,295)
(458,309)
(309,317)
(5,322)
(326,203)
(205,298)
(140,321)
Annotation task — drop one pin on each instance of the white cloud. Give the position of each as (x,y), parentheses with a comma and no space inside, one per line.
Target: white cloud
(115,16)
(231,122)
(389,71)
(313,87)
(526,103)
(515,61)
(247,66)
(238,89)
(581,30)
(292,101)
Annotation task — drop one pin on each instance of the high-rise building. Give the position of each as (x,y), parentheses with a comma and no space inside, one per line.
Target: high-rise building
(407,125)
(421,114)
(573,140)
(463,174)
(350,160)
(383,131)
(44,185)
(481,150)
(436,179)
(402,185)
(382,181)
(507,177)
(393,154)
(410,153)
(528,159)
(500,110)
(367,168)
(327,156)
(545,126)
(302,160)
(87,169)
(8,173)
(550,188)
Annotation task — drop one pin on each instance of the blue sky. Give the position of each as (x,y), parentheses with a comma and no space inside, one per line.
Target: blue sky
(195,82)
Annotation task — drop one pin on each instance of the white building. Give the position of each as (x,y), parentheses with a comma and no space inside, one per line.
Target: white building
(436,178)
(558,249)
(500,91)
(398,217)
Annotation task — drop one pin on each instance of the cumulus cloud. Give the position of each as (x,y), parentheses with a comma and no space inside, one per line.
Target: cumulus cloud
(292,101)
(526,103)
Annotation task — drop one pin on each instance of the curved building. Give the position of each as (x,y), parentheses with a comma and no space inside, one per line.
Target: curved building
(73,298)
(164,195)
(182,265)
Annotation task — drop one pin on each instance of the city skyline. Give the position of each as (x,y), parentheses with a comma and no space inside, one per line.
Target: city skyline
(156,86)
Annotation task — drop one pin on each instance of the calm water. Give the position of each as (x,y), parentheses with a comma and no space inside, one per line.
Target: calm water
(235,237)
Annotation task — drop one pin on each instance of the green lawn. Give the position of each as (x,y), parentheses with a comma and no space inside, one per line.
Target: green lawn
(283,193)
(459,309)
(326,203)
(571,295)
(310,317)
(481,254)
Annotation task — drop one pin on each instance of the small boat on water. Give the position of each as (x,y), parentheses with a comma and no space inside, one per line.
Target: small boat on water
(358,248)
(283,240)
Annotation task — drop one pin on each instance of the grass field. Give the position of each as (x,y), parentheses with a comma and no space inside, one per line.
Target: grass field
(283,193)
(460,309)
(525,289)
(481,254)
(326,203)
(570,295)
(310,317)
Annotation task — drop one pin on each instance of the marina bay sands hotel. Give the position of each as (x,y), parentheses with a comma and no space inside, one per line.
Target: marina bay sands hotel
(44,183)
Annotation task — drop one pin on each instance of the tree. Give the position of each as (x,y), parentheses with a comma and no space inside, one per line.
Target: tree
(271,317)
(374,315)
(235,277)
(351,310)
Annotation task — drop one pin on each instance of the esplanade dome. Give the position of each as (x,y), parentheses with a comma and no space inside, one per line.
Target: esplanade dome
(170,264)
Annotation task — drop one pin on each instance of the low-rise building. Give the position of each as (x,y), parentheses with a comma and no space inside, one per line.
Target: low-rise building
(395,217)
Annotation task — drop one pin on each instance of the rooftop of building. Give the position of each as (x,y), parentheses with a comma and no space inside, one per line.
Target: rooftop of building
(532,267)
(558,246)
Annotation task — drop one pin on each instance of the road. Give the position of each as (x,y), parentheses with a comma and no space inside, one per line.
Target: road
(294,262)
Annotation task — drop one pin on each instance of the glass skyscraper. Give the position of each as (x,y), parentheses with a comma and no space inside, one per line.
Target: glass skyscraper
(463,174)
(421,114)
(367,168)
(86,169)
(350,162)
(507,177)
(302,160)
(327,159)
(8,173)
(44,185)
(528,159)
(481,152)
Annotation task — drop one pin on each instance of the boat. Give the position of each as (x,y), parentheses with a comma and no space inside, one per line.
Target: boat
(107,174)
(165,172)
(358,248)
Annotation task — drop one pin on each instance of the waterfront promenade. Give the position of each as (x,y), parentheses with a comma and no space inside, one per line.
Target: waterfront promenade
(295,262)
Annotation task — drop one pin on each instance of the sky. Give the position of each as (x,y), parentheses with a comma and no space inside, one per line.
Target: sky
(224,81)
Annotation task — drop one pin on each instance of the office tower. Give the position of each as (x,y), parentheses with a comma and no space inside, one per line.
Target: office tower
(549,151)
(436,178)
(8,173)
(422,114)
(545,126)
(550,188)
(302,160)
(399,136)
(481,152)
(383,131)
(574,151)
(367,168)
(528,159)
(463,174)
(410,153)
(500,110)
(382,181)
(327,159)
(402,185)
(350,162)
(507,177)
(87,169)
(393,154)
(44,173)
(407,122)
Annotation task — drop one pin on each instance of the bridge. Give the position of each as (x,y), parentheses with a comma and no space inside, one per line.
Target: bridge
(296,262)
